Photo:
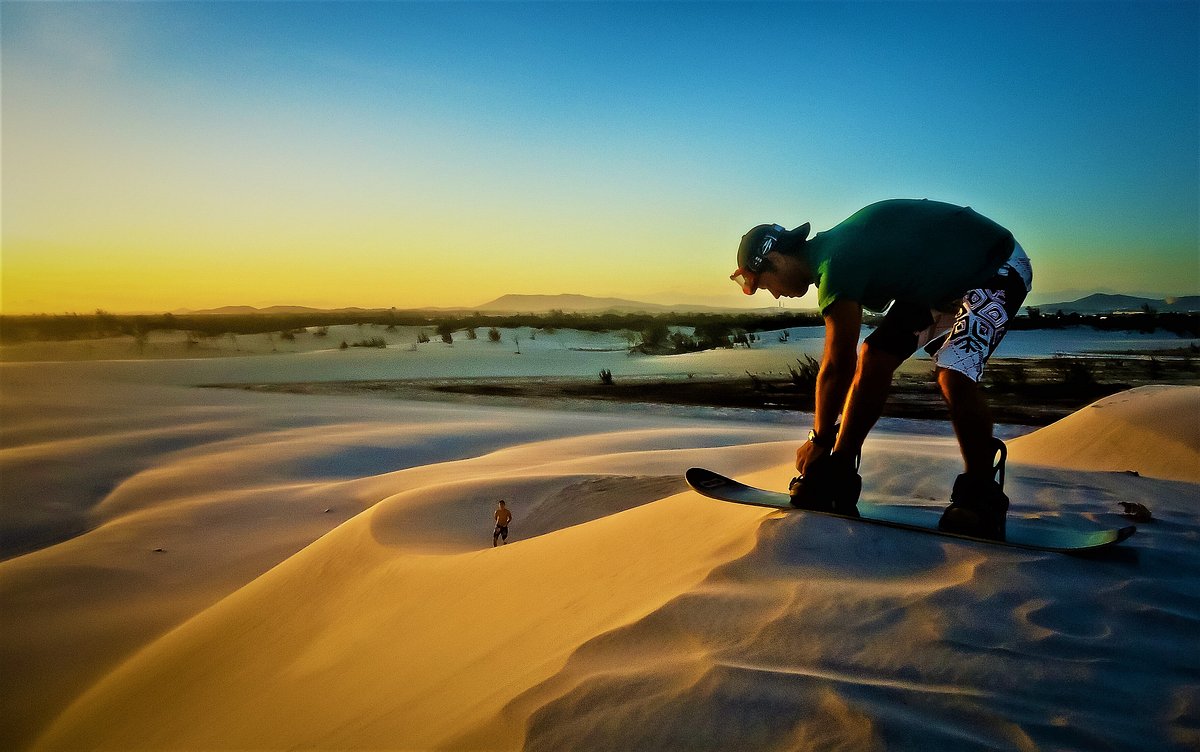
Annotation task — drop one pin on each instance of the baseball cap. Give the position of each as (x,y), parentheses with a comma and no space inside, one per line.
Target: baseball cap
(753,250)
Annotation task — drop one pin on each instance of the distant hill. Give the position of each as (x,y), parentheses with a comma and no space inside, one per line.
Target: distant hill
(1095,304)
(585,303)
(504,304)
(251,310)
(1102,303)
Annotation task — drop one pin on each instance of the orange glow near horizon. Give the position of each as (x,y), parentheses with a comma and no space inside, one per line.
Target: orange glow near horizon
(433,271)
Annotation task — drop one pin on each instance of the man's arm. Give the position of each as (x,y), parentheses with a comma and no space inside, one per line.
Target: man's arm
(843,323)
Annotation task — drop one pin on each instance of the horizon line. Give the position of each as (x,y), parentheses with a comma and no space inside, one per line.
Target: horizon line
(302,308)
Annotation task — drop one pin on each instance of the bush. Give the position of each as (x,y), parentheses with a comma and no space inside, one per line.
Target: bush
(1007,378)
(655,335)
(681,343)
(713,334)
(805,376)
(1075,374)
(494,334)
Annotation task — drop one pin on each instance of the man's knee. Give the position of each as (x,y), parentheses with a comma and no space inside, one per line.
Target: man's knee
(948,377)
(879,362)
(892,337)
(957,386)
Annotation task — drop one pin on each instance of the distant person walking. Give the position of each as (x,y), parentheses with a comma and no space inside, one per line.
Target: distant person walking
(502,517)
(950,280)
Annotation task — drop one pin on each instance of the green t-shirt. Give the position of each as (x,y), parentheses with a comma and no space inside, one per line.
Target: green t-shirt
(915,250)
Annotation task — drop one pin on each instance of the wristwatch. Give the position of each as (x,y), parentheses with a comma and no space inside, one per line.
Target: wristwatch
(821,441)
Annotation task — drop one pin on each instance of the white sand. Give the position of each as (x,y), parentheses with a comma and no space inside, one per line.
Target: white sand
(327,581)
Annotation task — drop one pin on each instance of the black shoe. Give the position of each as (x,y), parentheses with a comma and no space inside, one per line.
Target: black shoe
(832,484)
(978,504)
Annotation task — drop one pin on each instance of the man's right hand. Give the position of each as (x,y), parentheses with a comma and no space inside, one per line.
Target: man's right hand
(807,454)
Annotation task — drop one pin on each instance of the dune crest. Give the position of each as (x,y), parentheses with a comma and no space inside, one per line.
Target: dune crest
(1152,430)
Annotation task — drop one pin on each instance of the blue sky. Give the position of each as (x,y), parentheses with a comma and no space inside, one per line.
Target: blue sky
(195,154)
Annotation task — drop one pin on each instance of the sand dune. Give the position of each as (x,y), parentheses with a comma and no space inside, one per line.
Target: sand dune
(336,635)
(627,613)
(1151,430)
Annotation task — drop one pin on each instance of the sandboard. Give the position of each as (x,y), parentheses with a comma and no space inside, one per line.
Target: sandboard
(1029,534)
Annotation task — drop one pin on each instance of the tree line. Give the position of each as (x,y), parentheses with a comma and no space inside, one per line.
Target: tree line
(1146,321)
(101,324)
(710,328)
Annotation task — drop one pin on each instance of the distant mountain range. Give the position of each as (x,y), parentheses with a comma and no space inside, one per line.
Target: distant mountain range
(251,310)
(1102,303)
(1098,303)
(503,304)
(585,304)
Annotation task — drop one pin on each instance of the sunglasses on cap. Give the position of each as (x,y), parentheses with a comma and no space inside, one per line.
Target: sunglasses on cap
(748,281)
(752,254)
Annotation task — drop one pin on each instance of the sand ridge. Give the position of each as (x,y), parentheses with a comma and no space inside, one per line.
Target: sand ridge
(1151,430)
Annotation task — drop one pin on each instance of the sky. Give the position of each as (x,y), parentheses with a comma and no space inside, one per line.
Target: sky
(160,156)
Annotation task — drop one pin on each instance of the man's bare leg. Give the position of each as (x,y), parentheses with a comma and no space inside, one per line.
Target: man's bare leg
(978,504)
(868,394)
(972,421)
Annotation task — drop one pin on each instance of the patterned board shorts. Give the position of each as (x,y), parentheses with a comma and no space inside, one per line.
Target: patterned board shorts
(963,339)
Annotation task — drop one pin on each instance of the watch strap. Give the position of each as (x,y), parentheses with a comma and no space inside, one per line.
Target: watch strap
(825,442)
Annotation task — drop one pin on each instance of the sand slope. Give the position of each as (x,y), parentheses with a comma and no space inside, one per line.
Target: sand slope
(352,644)
(1151,430)
(629,613)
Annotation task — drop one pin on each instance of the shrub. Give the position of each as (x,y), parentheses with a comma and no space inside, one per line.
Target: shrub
(713,334)
(1075,374)
(681,343)
(655,335)
(805,375)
